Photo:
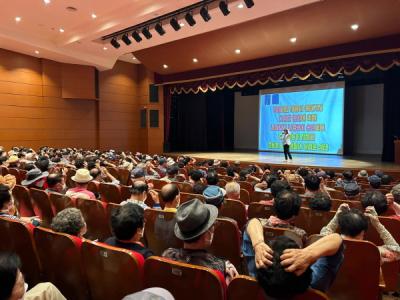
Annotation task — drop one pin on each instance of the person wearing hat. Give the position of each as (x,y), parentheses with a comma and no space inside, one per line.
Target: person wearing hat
(351,191)
(36,179)
(363,174)
(81,178)
(374,182)
(13,161)
(214,195)
(195,223)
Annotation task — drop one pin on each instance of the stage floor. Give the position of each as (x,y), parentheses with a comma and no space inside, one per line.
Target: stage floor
(317,160)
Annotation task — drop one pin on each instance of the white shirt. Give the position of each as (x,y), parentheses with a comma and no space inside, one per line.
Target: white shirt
(286,139)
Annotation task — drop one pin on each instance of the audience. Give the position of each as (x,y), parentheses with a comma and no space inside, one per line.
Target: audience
(196,177)
(277,187)
(363,174)
(214,195)
(314,185)
(139,191)
(351,191)
(266,183)
(232,190)
(70,221)
(320,202)
(127,224)
(374,182)
(347,178)
(81,178)
(195,227)
(171,197)
(35,179)
(56,183)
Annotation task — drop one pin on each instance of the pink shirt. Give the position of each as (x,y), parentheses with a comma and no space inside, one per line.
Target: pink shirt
(78,192)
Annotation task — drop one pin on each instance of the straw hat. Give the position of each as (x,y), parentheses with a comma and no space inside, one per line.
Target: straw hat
(82,176)
(12,159)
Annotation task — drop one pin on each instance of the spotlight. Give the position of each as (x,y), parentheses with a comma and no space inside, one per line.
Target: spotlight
(147,34)
(189,19)
(115,43)
(126,40)
(174,24)
(159,29)
(249,3)
(204,14)
(223,6)
(136,36)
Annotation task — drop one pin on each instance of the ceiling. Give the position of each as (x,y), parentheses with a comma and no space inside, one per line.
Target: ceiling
(320,24)
(38,31)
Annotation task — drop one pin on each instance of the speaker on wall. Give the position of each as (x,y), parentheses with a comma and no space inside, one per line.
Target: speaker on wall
(143,118)
(153,92)
(154,118)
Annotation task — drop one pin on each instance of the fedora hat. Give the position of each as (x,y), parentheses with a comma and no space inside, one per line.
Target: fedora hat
(34,175)
(193,218)
(82,176)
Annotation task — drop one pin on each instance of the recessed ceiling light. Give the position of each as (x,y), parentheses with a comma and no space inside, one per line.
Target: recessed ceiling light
(240,5)
(195,60)
(61,30)
(165,66)
(134,58)
(105,48)
(354,27)
(237,51)
(94,16)
(46,1)
(182,24)
(36,52)
(18,19)
(293,40)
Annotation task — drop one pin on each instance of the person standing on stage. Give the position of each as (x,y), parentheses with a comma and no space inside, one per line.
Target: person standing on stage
(285,137)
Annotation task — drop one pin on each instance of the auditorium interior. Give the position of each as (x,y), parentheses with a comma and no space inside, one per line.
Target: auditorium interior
(213,149)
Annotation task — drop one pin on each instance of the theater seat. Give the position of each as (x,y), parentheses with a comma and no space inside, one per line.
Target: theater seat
(94,213)
(158,184)
(258,196)
(112,272)
(16,173)
(245,196)
(159,231)
(258,210)
(110,193)
(93,187)
(18,237)
(124,176)
(358,277)
(236,210)
(184,281)
(184,187)
(60,202)
(60,257)
(23,201)
(69,182)
(312,221)
(245,287)
(187,196)
(42,206)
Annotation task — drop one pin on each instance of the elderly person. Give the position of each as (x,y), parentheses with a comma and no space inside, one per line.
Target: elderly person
(81,178)
(35,178)
(69,221)
(232,190)
(353,224)
(195,227)
(139,191)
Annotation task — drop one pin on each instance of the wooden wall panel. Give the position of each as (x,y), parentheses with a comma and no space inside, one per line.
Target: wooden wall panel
(78,82)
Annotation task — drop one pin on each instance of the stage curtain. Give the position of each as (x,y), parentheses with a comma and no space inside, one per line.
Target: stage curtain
(167,116)
(346,66)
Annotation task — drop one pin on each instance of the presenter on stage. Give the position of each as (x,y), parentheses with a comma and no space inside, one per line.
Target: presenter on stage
(285,137)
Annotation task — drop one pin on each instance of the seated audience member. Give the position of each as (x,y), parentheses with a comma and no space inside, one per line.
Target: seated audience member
(13,286)
(212,177)
(379,173)
(230,171)
(35,179)
(195,180)
(331,174)
(43,164)
(101,174)
(313,185)
(320,202)
(265,184)
(127,223)
(362,174)
(170,195)
(374,182)
(384,205)
(55,184)
(396,193)
(154,293)
(69,221)
(347,178)
(303,172)
(286,206)
(138,174)
(80,163)
(172,173)
(276,187)
(351,191)
(162,167)
(232,190)
(195,227)
(13,162)
(139,191)
(386,179)
(81,178)
(353,224)
(285,270)
(214,195)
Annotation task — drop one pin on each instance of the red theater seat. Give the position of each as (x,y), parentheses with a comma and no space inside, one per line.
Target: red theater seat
(258,210)
(110,193)
(23,201)
(236,210)
(60,202)
(42,206)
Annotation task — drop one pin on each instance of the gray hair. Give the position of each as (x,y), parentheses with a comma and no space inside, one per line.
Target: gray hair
(232,187)
(69,220)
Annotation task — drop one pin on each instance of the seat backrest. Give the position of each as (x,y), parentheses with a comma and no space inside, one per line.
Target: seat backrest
(109,208)
(312,221)
(158,184)
(124,176)
(15,172)
(125,192)
(184,187)
(93,187)
(258,196)
(60,257)
(246,186)
(112,273)
(245,196)
(18,237)
(236,210)
(245,287)
(110,193)
(95,216)
(42,206)
(259,210)
(337,194)
(69,182)
(114,172)
(186,197)
(184,281)
(159,231)
(358,277)
(226,242)
(23,201)
(273,232)
(353,204)
(60,202)
(3,170)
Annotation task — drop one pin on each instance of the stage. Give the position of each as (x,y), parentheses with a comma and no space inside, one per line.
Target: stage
(311,160)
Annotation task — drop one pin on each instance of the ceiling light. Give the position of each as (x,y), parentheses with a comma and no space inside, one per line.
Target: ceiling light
(165,66)
(126,40)
(237,51)
(159,29)
(134,58)
(189,19)
(136,36)
(147,34)
(94,16)
(204,14)
(18,19)
(182,24)
(105,48)
(36,52)
(293,40)
(46,1)
(354,27)
(240,5)
(195,60)
(115,43)
(249,3)
(61,30)
(174,24)
(223,6)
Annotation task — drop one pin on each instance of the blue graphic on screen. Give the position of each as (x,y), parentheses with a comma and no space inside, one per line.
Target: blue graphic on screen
(313,118)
